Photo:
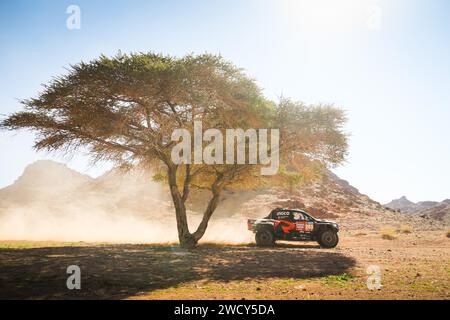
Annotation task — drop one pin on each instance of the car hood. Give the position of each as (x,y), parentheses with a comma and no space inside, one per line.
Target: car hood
(326,221)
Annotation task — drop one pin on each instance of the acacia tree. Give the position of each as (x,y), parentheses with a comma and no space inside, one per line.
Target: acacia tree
(124,109)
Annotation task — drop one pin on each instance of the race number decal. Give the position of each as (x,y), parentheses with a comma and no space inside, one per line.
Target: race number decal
(309,226)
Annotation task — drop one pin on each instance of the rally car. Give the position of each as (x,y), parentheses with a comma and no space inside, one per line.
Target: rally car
(293,225)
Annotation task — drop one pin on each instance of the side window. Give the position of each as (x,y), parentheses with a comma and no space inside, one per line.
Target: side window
(298,216)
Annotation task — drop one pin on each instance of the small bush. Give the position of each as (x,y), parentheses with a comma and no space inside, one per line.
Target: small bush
(341,277)
(338,280)
(405,229)
(388,233)
(448,233)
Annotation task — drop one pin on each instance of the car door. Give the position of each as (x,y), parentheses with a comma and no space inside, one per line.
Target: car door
(303,224)
(284,223)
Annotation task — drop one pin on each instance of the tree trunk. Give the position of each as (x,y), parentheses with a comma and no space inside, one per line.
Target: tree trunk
(189,240)
(212,205)
(184,236)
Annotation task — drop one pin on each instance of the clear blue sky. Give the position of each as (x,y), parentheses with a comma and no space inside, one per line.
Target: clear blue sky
(386,62)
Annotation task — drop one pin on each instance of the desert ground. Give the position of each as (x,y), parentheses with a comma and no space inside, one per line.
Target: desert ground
(414,265)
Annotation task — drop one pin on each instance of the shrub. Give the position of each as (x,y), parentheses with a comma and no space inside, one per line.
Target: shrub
(405,229)
(388,233)
(338,280)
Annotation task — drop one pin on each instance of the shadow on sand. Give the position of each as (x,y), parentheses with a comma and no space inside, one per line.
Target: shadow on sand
(121,271)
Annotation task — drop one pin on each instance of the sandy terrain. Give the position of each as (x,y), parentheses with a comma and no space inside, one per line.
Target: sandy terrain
(413,266)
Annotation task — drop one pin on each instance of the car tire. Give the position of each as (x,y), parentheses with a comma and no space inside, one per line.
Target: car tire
(328,239)
(264,238)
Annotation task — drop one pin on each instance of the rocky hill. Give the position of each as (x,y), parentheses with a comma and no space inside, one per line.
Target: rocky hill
(406,206)
(402,204)
(43,180)
(439,212)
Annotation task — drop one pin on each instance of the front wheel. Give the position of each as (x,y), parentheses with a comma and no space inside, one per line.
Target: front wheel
(328,239)
(264,238)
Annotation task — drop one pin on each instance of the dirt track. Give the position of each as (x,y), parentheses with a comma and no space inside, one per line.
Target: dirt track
(414,266)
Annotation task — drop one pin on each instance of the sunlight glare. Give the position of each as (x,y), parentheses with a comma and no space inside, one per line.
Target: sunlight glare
(326,15)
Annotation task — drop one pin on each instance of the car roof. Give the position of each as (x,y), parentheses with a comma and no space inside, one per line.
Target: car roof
(297,210)
(292,210)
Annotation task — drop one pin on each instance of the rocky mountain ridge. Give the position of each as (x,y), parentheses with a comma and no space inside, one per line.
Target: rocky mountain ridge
(432,210)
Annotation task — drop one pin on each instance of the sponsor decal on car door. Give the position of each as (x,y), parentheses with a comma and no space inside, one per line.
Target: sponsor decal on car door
(304,226)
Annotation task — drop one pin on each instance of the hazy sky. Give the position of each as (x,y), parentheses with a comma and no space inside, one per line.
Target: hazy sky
(386,62)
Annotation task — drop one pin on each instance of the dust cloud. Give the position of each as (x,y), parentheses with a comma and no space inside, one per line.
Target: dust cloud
(39,223)
(51,202)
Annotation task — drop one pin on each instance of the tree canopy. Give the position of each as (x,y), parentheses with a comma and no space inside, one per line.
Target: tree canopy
(124,109)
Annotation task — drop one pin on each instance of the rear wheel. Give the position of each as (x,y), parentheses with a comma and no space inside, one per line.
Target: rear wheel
(264,238)
(328,239)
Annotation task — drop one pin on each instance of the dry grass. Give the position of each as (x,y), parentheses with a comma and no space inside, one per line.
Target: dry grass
(405,229)
(388,233)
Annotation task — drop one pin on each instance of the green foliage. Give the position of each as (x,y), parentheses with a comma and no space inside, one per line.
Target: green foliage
(160,176)
(314,131)
(291,178)
(338,280)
